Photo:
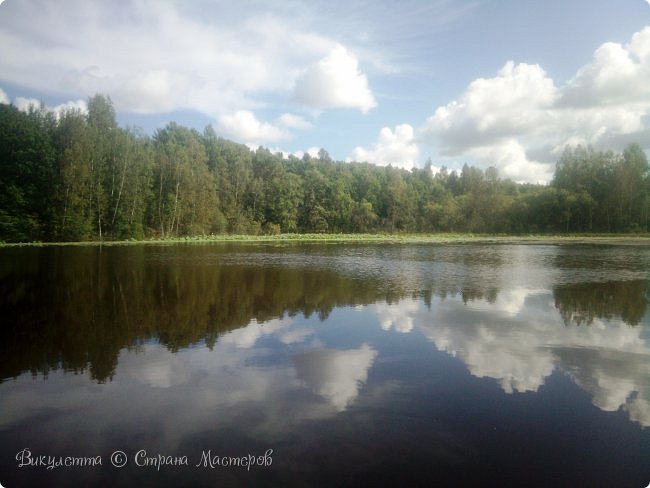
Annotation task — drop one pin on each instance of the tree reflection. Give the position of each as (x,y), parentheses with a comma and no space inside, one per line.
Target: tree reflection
(75,308)
(581,303)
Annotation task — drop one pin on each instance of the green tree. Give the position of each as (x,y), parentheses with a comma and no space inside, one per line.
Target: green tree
(27,170)
(186,193)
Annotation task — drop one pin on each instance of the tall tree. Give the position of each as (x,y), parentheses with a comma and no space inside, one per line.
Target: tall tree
(186,193)
(27,169)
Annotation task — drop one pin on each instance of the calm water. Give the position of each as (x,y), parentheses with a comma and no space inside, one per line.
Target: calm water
(331,365)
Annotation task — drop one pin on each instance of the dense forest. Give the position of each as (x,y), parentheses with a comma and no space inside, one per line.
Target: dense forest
(77,176)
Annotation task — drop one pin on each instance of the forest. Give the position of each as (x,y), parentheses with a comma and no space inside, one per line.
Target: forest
(77,176)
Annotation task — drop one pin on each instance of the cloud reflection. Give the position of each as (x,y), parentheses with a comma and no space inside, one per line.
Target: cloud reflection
(396,316)
(266,383)
(246,337)
(334,374)
(520,338)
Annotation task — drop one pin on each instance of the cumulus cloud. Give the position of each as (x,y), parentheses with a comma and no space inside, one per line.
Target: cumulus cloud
(511,103)
(336,375)
(149,91)
(609,359)
(228,381)
(243,126)
(392,147)
(616,75)
(491,116)
(27,104)
(396,316)
(509,156)
(520,120)
(293,121)
(3,97)
(312,151)
(163,56)
(335,82)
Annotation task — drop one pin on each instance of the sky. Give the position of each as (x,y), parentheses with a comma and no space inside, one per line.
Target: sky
(503,83)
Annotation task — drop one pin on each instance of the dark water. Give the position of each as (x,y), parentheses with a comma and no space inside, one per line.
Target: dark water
(328,365)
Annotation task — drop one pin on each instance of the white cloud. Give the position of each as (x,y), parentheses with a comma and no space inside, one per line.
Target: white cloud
(505,120)
(228,383)
(25,104)
(513,102)
(246,337)
(509,156)
(491,116)
(312,151)
(3,97)
(80,105)
(335,82)
(396,316)
(613,363)
(293,121)
(334,374)
(243,126)
(639,408)
(163,56)
(397,148)
(295,336)
(607,102)
(617,74)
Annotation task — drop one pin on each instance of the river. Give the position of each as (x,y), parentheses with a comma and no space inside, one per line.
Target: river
(231,364)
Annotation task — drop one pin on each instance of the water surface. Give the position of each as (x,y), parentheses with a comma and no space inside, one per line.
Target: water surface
(333,364)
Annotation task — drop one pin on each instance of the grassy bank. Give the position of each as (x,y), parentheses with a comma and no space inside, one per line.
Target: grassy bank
(442,238)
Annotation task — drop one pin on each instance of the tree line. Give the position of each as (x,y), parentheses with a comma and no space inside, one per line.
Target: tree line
(77,176)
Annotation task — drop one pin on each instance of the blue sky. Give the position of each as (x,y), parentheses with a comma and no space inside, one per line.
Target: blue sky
(494,82)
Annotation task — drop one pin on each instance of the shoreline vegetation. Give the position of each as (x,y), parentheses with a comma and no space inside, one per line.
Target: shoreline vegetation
(407,238)
(79,177)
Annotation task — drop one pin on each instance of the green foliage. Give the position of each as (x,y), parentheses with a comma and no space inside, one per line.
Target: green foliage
(27,166)
(80,177)
(603,191)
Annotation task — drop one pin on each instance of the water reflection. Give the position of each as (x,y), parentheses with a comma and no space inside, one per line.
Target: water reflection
(334,374)
(581,303)
(192,391)
(77,308)
(308,348)
(517,340)
(397,316)
(246,337)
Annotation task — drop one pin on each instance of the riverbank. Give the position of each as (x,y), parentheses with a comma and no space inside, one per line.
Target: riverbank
(442,238)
